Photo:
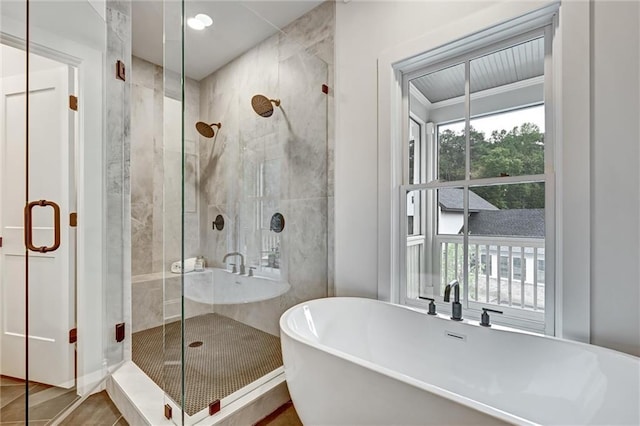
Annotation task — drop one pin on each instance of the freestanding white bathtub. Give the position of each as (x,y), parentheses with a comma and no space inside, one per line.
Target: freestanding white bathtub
(352,361)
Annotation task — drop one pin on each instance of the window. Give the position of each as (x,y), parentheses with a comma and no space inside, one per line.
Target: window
(485,264)
(504,266)
(477,174)
(540,272)
(519,269)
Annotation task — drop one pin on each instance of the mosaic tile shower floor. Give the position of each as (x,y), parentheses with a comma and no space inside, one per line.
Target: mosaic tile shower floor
(231,356)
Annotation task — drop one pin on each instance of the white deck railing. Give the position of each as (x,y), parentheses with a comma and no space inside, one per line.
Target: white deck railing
(503,271)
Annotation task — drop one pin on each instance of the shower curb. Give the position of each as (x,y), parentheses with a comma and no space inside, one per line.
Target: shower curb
(140,400)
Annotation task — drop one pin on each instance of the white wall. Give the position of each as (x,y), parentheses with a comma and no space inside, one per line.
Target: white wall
(608,316)
(363,30)
(615,251)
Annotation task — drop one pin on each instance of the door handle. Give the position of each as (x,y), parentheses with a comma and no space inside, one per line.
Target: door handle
(28,226)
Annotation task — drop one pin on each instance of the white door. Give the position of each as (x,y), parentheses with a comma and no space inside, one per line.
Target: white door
(50,275)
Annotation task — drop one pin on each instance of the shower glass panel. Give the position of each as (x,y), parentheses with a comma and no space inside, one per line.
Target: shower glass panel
(13,260)
(174,262)
(62,168)
(244,202)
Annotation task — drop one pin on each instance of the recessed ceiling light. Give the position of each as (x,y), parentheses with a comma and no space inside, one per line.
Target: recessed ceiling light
(196,24)
(200,22)
(205,19)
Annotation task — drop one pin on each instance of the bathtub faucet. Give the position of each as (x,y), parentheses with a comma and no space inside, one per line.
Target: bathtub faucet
(235,253)
(456,307)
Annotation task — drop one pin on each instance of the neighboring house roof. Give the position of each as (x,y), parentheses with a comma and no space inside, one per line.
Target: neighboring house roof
(512,223)
(450,200)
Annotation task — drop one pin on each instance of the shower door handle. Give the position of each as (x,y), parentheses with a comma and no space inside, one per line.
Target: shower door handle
(28,226)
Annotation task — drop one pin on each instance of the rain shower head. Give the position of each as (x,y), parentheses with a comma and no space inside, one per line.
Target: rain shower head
(206,130)
(262,105)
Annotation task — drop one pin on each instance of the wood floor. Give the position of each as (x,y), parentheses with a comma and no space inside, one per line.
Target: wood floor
(284,416)
(46,402)
(97,410)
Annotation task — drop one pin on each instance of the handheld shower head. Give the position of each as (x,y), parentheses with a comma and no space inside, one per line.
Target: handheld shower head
(206,130)
(262,105)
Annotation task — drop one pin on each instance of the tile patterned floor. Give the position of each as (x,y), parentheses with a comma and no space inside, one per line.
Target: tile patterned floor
(45,402)
(230,355)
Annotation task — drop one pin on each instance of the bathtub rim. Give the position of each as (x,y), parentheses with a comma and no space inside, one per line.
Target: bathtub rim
(479,406)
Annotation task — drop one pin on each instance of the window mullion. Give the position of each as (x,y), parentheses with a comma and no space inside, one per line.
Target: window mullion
(465,190)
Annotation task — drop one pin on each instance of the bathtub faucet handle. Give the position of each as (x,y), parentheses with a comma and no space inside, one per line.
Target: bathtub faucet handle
(485,321)
(432,305)
(233,270)
(251,268)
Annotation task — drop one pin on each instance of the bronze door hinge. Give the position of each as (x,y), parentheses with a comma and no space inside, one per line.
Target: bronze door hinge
(120,71)
(73,102)
(73,335)
(120,332)
(73,219)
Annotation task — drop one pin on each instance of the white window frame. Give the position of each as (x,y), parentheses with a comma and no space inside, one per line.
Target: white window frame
(515,317)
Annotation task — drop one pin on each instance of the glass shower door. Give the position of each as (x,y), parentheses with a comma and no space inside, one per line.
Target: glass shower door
(56,136)
(13,260)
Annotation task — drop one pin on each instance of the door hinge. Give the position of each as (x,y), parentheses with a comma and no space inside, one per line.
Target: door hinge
(0,241)
(73,219)
(73,335)
(120,71)
(120,332)
(167,411)
(73,102)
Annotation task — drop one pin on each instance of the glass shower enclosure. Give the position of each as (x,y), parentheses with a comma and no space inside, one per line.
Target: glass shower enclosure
(63,258)
(242,178)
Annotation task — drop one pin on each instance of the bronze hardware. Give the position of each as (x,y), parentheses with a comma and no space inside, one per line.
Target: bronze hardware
(167,411)
(214,407)
(277,223)
(73,335)
(120,71)
(218,223)
(325,89)
(262,105)
(206,130)
(120,332)
(73,102)
(28,225)
(73,219)
(0,241)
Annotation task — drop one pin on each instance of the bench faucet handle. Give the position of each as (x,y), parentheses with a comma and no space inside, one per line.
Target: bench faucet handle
(234,270)
(432,305)
(485,321)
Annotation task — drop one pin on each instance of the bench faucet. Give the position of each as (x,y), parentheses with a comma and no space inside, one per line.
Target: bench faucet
(456,307)
(235,253)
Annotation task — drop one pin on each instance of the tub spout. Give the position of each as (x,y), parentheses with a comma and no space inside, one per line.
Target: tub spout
(456,306)
(235,253)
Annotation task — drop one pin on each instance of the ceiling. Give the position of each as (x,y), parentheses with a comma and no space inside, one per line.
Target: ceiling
(516,63)
(237,26)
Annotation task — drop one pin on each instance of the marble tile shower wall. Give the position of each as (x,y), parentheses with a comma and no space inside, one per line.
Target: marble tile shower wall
(294,147)
(156,173)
